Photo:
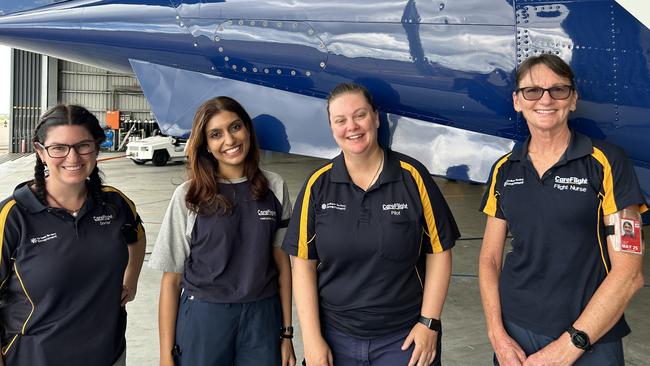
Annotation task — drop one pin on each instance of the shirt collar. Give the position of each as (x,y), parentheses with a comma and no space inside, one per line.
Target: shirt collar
(27,199)
(392,171)
(579,146)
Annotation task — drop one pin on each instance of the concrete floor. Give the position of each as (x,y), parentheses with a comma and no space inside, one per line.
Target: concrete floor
(464,342)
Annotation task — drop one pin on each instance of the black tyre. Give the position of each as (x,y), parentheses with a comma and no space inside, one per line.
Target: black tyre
(160,157)
(138,162)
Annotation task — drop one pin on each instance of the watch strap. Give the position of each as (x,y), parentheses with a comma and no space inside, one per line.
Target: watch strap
(431,323)
(573,332)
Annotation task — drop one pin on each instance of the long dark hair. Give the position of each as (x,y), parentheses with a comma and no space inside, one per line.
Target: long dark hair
(70,115)
(203,194)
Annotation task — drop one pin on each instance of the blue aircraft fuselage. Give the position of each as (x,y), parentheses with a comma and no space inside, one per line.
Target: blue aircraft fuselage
(442,72)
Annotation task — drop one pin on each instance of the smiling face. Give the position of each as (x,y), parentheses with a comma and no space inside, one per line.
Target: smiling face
(354,123)
(73,169)
(228,141)
(545,114)
(627,229)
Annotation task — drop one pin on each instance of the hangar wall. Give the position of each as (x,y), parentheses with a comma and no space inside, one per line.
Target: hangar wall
(39,82)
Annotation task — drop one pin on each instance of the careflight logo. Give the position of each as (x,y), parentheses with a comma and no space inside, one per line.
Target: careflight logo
(266,214)
(103,219)
(395,208)
(43,239)
(570,184)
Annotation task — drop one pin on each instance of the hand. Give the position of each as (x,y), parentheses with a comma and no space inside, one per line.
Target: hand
(508,351)
(318,353)
(286,349)
(560,352)
(128,294)
(425,345)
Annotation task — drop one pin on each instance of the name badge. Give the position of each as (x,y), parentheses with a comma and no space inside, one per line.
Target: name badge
(631,236)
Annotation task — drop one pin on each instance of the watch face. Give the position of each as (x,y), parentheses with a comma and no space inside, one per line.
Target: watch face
(580,339)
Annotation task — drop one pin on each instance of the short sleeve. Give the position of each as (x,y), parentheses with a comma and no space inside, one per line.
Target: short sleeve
(300,240)
(281,192)
(172,246)
(10,238)
(620,186)
(490,202)
(284,219)
(440,226)
(133,230)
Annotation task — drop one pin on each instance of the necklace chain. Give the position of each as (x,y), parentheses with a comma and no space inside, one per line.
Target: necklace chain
(381,163)
(74,213)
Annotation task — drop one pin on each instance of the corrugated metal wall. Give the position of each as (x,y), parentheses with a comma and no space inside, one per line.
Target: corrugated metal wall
(96,89)
(100,91)
(25,98)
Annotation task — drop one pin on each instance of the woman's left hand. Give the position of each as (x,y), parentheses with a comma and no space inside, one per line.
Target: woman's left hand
(128,293)
(286,349)
(557,353)
(425,345)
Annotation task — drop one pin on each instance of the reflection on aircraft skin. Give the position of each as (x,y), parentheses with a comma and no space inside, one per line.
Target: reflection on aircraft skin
(441,71)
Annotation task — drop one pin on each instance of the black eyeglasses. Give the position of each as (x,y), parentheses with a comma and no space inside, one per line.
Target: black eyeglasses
(559,92)
(62,150)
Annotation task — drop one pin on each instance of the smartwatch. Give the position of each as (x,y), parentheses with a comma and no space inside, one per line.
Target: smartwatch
(431,323)
(579,338)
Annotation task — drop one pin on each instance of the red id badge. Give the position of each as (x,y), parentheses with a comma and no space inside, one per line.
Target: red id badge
(631,236)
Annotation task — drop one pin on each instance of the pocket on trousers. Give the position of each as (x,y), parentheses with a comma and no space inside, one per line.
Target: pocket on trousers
(182,321)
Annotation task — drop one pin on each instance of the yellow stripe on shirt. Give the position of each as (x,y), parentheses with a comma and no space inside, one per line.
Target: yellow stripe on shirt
(609,204)
(3,221)
(436,246)
(131,205)
(304,213)
(22,330)
(491,204)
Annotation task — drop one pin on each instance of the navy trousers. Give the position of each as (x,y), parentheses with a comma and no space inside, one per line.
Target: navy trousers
(602,354)
(239,334)
(380,351)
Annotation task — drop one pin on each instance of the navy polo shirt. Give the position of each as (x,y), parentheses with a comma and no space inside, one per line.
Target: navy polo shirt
(230,259)
(559,253)
(62,279)
(370,244)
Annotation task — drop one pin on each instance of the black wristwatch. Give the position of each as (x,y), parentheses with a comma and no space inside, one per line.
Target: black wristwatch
(286,332)
(579,338)
(431,323)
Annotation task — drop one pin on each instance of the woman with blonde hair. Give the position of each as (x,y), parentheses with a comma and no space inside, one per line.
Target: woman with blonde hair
(371,239)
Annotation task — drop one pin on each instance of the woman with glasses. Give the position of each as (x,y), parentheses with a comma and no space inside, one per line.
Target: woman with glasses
(559,297)
(72,250)
(225,294)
